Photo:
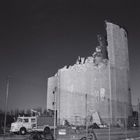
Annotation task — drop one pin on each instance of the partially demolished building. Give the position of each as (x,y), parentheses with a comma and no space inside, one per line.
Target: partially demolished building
(96,88)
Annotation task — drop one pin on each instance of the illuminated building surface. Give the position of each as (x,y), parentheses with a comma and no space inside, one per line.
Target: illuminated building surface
(98,84)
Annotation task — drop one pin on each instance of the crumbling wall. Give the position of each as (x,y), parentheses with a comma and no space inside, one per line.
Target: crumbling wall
(51,90)
(78,81)
(98,82)
(119,71)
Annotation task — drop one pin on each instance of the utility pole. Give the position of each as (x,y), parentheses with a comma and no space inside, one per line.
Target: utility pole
(55,112)
(86,109)
(110,98)
(125,111)
(59,94)
(139,112)
(6,101)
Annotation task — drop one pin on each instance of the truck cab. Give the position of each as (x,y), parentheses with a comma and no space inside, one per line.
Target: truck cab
(23,125)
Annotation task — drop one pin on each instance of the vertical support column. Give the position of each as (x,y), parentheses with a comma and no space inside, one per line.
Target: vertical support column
(139,112)
(59,95)
(6,102)
(55,106)
(86,110)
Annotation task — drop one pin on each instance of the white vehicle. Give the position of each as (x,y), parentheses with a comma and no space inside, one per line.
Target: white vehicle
(23,125)
(29,124)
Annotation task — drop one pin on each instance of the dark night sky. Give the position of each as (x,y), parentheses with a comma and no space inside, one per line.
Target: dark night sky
(39,37)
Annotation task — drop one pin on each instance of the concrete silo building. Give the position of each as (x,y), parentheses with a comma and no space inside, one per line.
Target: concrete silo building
(96,87)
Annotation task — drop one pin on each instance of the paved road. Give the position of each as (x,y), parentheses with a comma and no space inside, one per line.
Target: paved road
(102,134)
(13,138)
(101,138)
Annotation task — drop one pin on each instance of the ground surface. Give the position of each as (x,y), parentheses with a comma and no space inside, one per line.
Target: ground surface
(102,134)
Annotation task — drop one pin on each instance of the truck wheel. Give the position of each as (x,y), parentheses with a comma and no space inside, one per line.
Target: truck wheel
(89,137)
(35,136)
(22,131)
(84,138)
(47,130)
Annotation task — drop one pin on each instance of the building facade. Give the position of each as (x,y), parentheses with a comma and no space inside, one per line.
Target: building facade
(95,88)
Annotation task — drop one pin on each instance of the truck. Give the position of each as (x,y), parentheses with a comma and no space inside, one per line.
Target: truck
(35,125)
(25,125)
